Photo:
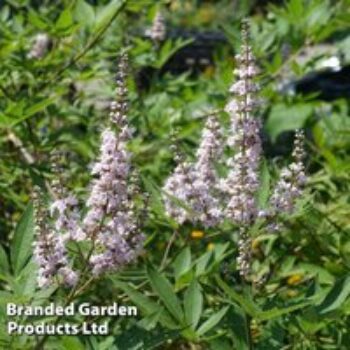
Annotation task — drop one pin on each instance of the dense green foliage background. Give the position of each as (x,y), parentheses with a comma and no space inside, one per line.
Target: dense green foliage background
(60,102)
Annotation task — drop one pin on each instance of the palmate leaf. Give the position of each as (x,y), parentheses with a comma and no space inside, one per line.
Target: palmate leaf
(146,305)
(165,292)
(21,248)
(246,304)
(151,321)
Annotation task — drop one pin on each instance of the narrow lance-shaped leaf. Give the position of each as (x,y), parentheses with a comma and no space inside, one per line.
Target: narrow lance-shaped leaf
(146,305)
(182,262)
(193,304)
(249,307)
(336,297)
(4,263)
(165,292)
(212,321)
(22,241)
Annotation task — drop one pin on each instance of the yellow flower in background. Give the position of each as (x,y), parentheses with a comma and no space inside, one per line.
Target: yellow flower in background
(196,234)
(292,293)
(294,279)
(210,246)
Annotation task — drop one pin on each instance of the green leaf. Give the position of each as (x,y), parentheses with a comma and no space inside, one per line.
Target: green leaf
(182,263)
(169,49)
(146,305)
(220,344)
(105,344)
(32,110)
(336,297)
(264,189)
(71,343)
(136,338)
(150,322)
(84,13)
(165,292)
(212,321)
(193,304)
(237,321)
(248,306)
(36,20)
(25,282)
(4,262)
(65,19)
(22,241)
(202,263)
(219,251)
(106,14)
(285,118)
(253,310)
(277,312)
(296,10)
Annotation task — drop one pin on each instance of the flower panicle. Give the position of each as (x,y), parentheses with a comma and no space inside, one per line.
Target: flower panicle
(244,254)
(119,107)
(291,182)
(242,181)
(158,30)
(64,209)
(109,187)
(194,183)
(110,220)
(205,177)
(178,190)
(49,250)
(111,223)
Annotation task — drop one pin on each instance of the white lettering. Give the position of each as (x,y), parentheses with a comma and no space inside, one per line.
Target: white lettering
(11,309)
(11,327)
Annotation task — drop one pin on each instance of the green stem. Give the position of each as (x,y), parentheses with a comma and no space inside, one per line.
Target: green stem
(248,320)
(167,250)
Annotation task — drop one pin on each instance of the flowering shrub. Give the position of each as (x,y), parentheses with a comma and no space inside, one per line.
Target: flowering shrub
(110,224)
(235,198)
